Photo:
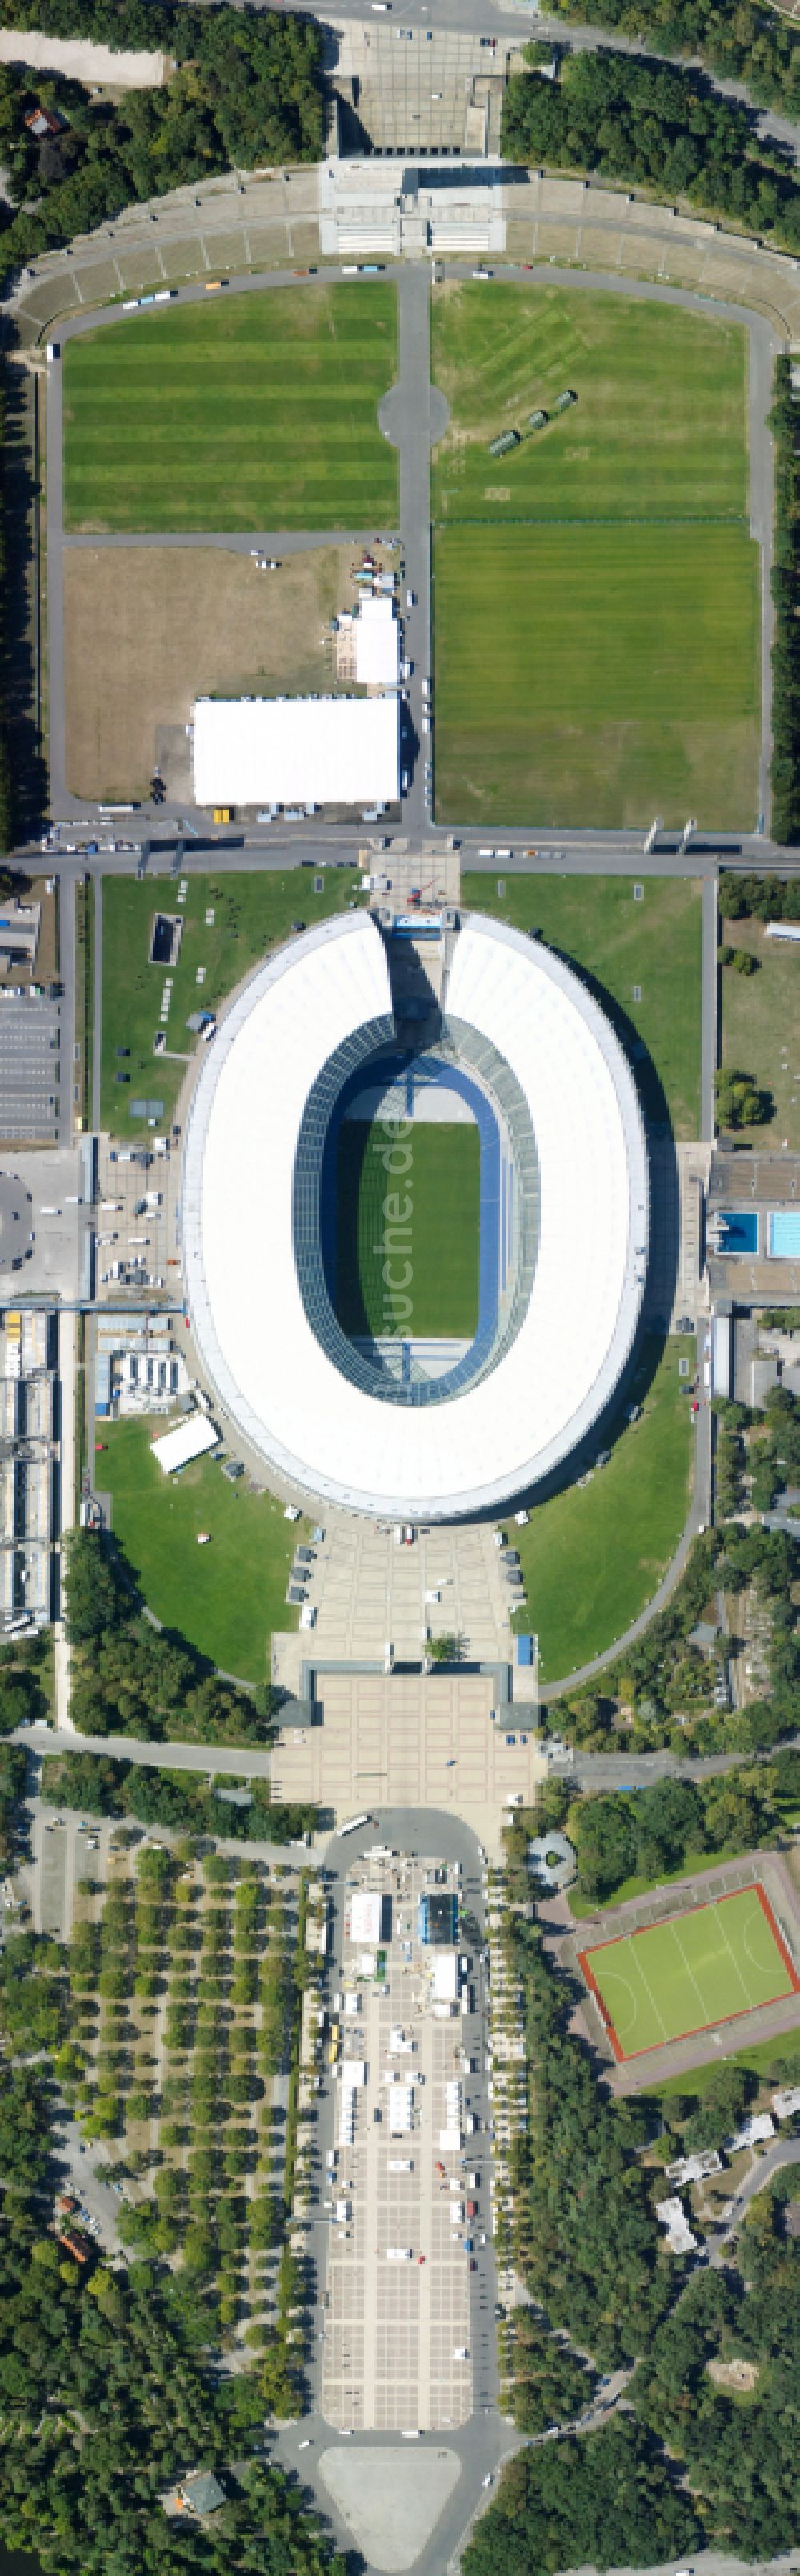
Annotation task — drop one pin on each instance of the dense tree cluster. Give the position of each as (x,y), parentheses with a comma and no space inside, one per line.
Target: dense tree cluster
(104,2406)
(245,90)
(749,44)
(656,1831)
(6,801)
(13,1767)
(609,2500)
(631,120)
(131,1678)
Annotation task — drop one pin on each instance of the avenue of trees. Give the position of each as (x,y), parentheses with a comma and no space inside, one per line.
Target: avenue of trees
(6,806)
(130,1678)
(245,90)
(638,121)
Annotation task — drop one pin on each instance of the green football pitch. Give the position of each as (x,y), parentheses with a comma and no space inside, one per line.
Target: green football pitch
(595,590)
(412,1210)
(720,1960)
(250,412)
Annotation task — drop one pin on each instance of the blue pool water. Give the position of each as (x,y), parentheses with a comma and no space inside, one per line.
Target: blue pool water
(784,1234)
(740,1230)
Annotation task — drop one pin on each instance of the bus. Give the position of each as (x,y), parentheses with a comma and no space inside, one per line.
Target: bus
(353,1824)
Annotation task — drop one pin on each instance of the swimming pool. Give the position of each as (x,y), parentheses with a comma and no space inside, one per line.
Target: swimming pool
(783,1233)
(739,1230)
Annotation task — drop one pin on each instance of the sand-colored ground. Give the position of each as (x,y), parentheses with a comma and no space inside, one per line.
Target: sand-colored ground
(148,629)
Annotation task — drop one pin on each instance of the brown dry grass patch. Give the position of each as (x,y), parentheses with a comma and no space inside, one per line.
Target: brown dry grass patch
(150,628)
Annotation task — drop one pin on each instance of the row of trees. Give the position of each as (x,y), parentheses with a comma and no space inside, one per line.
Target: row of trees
(182,1801)
(6,806)
(639,121)
(749,44)
(785,770)
(245,89)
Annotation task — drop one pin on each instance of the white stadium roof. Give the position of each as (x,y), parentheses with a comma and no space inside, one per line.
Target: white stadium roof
(503,1433)
(295,751)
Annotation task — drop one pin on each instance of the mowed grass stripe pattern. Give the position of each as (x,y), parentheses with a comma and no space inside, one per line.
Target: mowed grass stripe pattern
(590,674)
(660,422)
(429,1217)
(700,1968)
(258,411)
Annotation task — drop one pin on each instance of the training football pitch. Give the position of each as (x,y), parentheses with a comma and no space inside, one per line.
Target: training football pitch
(700,1968)
(596,590)
(249,412)
(419,1223)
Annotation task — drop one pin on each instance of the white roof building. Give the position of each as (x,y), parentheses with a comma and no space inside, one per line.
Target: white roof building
(672,2216)
(785,2105)
(272,1369)
(296,751)
(365,1915)
(401,2108)
(189,1440)
(445,1976)
(752,2133)
(377,637)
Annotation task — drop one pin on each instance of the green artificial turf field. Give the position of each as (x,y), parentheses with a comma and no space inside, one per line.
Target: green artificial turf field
(659,428)
(641,956)
(419,1218)
(251,912)
(596,675)
(700,1968)
(593,1555)
(596,591)
(251,411)
(226,1598)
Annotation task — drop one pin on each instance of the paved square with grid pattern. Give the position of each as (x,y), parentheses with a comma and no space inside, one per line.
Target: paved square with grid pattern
(703,1967)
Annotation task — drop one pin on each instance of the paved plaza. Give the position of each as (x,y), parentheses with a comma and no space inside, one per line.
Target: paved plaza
(396,2350)
(411,1740)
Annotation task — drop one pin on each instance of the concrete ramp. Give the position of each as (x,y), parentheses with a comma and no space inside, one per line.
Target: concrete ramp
(390,2499)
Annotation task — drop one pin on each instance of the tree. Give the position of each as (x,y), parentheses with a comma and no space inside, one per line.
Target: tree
(739,1103)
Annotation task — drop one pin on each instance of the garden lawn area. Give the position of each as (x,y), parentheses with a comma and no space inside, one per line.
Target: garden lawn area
(659,429)
(251,411)
(761,1024)
(774,2060)
(431,1214)
(251,914)
(700,1968)
(593,1557)
(596,675)
(618,943)
(226,1598)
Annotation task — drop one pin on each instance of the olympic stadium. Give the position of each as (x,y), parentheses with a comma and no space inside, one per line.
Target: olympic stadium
(528,1054)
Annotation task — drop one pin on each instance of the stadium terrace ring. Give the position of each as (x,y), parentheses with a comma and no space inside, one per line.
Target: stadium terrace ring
(529,1037)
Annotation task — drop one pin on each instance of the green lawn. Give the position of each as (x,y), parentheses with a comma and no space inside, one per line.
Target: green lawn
(593,1557)
(774,2060)
(659,428)
(251,913)
(652,946)
(596,675)
(251,411)
(700,1968)
(411,1207)
(226,1598)
(760,1024)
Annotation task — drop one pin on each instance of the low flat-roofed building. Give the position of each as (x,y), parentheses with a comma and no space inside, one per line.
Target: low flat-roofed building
(296,751)
(753,2133)
(377,639)
(671,2215)
(786,2105)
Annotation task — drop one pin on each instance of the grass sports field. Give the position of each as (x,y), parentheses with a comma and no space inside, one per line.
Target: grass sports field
(643,957)
(250,914)
(432,1215)
(596,591)
(700,1968)
(596,675)
(592,1556)
(249,411)
(226,1598)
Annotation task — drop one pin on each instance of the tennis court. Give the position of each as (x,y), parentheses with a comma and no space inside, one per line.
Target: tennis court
(705,1966)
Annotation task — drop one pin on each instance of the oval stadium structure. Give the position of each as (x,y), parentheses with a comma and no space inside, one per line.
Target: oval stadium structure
(563,1220)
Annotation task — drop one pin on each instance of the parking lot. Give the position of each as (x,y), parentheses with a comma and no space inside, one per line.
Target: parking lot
(30,1068)
(397,2338)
